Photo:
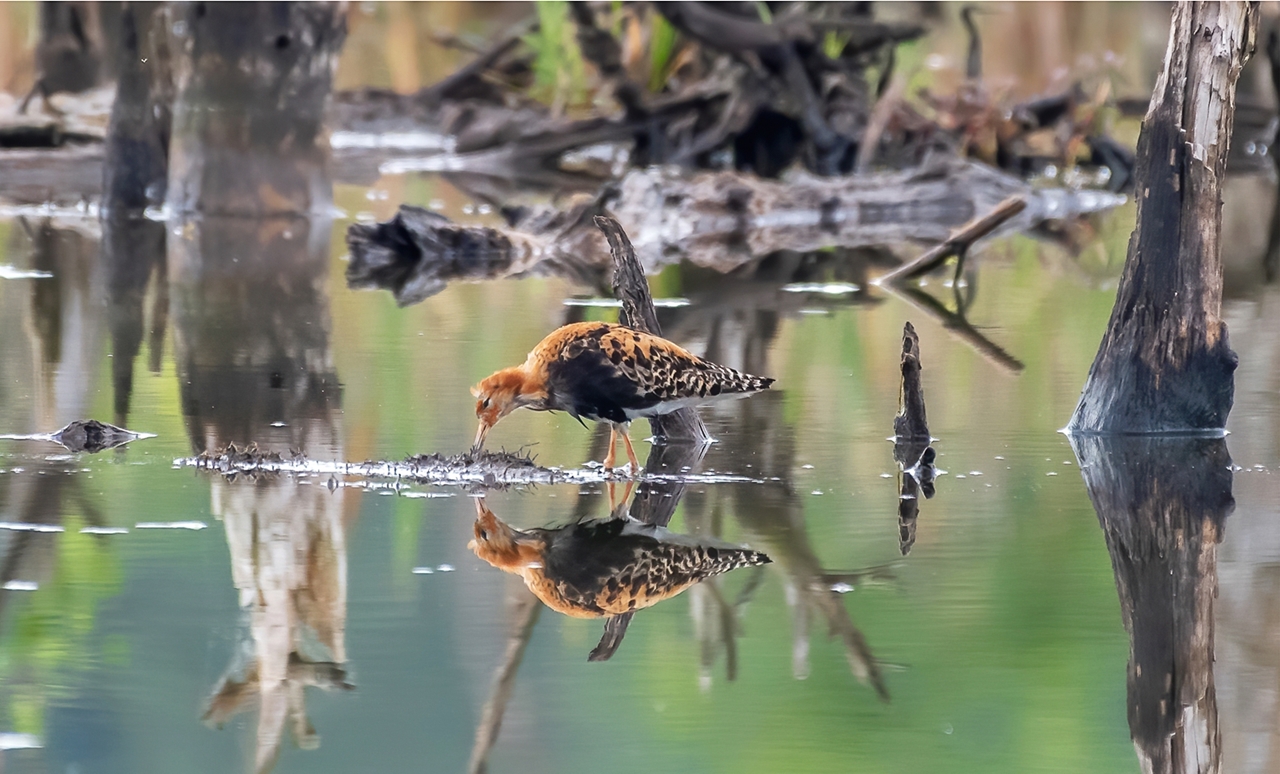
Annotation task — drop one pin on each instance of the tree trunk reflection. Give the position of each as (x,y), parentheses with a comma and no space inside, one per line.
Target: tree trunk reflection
(1162,503)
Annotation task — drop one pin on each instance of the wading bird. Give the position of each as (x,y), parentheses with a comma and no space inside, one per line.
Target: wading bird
(608,373)
(598,569)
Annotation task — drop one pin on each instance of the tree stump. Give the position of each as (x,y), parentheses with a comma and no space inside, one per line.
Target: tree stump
(135,167)
(1164,364)
(248,122)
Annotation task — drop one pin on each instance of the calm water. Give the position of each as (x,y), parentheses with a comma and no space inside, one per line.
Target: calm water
(386,645)
(998,637)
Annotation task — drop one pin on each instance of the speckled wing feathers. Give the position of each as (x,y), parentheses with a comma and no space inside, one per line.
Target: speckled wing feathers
(602,569)
(605,371)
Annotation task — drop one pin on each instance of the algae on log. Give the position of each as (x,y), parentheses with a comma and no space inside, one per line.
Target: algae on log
(1164,364)
(252,83)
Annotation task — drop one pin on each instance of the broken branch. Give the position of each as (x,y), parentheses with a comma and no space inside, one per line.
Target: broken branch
(958,243)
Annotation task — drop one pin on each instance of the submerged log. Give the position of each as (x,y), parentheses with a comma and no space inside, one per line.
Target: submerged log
(1164,364)
(1162,504)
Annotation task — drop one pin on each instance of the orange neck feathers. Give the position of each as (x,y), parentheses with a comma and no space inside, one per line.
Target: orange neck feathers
(502,546)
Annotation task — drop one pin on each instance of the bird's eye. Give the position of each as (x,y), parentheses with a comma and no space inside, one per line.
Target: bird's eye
(485,404)
(484,535)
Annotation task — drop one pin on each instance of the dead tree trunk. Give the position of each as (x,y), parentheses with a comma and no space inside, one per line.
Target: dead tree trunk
(135,168)
(252,84)
(1164,364)
(631,287)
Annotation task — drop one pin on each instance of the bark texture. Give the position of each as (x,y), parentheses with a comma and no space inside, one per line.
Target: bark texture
(632,288)
(252,80)
(1164,364)
(136,163)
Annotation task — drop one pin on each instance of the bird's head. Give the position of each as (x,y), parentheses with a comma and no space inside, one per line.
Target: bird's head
(494,541)
(498,395)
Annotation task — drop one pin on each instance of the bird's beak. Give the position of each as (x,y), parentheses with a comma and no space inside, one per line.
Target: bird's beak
(481,432)
(471,544)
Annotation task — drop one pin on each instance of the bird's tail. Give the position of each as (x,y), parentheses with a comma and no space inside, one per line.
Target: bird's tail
(718,561)
(731,381)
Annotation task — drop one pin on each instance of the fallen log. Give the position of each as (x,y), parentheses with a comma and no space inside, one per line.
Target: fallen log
(1164,364)
(719,220)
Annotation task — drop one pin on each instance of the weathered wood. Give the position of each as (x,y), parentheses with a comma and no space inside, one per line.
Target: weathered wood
(252,84)
(1164,364)
(911,447)
(958,243)
(911,422)
(632,287)
(721,221)
(1162,503)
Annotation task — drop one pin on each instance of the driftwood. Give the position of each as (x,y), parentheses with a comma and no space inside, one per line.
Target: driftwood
(720,221)
(958,243)
(1164,364)
(89,436)
(1162,504)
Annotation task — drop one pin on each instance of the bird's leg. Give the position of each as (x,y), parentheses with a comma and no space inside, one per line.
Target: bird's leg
(613,442)
(609,459)
(631,487)
(631,452)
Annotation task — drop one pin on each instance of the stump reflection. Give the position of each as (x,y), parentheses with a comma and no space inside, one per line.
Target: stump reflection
(1162,503)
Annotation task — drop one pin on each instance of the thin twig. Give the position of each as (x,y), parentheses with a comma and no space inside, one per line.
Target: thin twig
(476,67)
(524,615)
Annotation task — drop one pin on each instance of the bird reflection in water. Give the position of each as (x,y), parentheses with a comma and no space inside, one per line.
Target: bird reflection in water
(605,568)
